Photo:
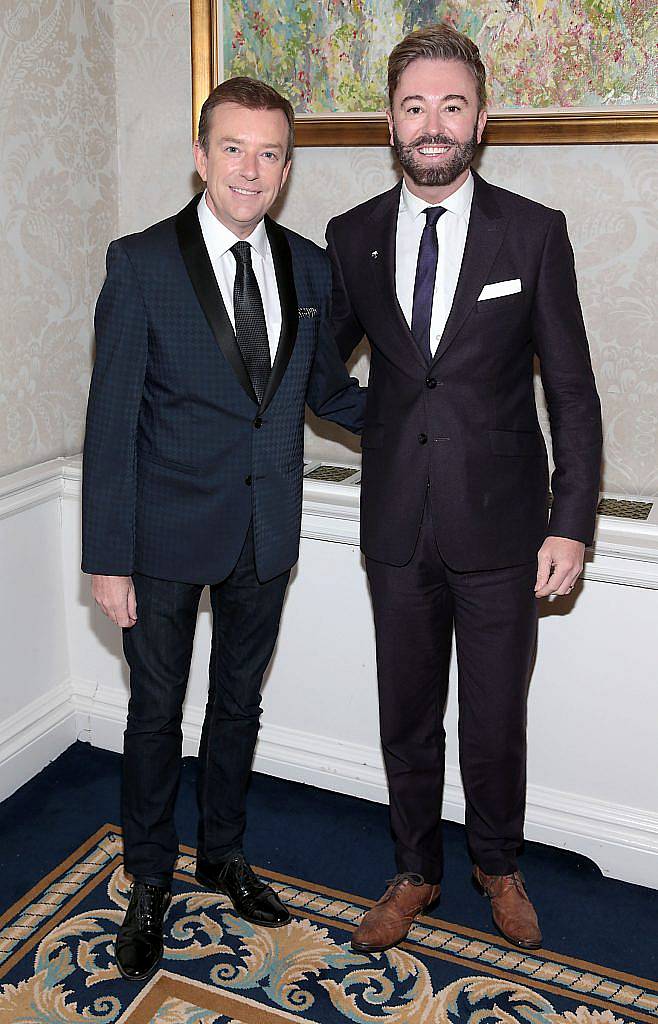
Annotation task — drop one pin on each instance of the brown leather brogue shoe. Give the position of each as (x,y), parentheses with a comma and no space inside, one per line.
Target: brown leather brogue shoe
(513,914)
(389,921)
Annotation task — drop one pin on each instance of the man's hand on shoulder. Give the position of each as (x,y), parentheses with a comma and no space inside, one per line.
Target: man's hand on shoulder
(559,564)
(115,596)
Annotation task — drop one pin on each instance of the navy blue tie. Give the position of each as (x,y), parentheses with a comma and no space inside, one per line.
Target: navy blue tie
(428,255)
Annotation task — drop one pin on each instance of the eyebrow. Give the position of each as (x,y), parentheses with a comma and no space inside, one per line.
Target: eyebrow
(450,96)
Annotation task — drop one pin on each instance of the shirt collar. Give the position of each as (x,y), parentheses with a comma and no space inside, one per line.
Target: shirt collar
(458,203)
(219,238)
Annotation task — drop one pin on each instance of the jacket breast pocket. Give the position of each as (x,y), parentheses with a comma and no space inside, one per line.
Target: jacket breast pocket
(502,302)
(372,436)
(178,467)
(517,442)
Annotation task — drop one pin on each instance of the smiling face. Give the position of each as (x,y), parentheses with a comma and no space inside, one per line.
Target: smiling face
(435,126)
(244,165)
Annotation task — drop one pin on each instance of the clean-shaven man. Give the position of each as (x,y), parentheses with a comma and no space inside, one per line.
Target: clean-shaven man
(458,285)
(212,332)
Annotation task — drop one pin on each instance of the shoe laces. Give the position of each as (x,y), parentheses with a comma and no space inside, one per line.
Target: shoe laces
(394,884)
(151,901)
(519,884)
(244,872)
(497,885)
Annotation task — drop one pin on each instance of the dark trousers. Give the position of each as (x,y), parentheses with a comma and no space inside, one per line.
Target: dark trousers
(494,616)
(158,649)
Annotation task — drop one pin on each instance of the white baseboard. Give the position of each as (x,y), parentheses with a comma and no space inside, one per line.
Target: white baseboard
(34,736)
(621,840)
(100,713)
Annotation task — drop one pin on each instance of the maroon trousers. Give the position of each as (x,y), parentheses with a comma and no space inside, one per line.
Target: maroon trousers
(494,617)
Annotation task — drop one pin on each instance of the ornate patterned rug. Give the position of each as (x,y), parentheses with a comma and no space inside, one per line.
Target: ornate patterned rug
(57,967)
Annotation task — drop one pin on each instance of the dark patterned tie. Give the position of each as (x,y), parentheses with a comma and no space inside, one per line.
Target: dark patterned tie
(250,326)
(428,255)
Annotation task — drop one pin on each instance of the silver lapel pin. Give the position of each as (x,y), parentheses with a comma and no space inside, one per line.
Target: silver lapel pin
(374,254)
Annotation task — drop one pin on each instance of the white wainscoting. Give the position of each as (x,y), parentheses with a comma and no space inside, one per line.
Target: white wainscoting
(38,720)
(593,785)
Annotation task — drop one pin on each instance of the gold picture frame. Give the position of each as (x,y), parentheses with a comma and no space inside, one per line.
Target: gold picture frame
(550,127)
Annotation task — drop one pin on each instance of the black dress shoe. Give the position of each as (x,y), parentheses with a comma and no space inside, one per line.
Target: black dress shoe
(252,899)
(138,946)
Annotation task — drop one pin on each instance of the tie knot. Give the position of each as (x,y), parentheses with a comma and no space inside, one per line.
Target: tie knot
(432,214)
(242,252)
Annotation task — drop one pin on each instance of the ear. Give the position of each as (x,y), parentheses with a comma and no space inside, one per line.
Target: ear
(482,120)
(200,160)
(389,118)
(286,172)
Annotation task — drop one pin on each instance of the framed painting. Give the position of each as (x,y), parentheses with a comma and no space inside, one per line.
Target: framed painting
(559,71)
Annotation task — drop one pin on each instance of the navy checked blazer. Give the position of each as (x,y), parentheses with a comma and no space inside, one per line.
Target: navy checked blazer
(179,456)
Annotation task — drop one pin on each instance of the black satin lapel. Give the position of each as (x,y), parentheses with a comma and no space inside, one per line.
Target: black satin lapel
(486,230)
(285,282)
(201,274)
(383,238)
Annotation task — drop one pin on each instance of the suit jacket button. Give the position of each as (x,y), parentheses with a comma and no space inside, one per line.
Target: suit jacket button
(258,423)
(247,480)
(422,438)
(431,382)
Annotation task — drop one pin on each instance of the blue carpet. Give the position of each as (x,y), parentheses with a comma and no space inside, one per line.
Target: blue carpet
(335,841)
(57,962)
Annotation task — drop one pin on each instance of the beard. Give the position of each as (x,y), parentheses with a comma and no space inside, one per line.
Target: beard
(444,173)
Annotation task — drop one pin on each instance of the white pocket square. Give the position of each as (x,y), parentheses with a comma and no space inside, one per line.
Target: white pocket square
(494,291)
(307,311)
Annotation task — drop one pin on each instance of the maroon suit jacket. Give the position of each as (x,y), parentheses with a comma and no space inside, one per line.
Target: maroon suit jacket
(466,422)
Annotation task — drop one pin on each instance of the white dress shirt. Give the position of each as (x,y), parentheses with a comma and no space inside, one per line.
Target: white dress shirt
(451,231)
(219,239)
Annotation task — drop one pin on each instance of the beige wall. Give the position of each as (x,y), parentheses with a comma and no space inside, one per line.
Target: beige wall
(154,110)
(58,206)
(609,193)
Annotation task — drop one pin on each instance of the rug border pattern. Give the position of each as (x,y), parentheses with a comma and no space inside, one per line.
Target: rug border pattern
(23,925)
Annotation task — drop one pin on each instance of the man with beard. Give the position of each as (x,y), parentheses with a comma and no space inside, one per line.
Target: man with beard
(458,285)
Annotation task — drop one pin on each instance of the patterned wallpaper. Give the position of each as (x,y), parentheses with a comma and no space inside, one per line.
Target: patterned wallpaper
(58,151)
(154,110)
(58,206)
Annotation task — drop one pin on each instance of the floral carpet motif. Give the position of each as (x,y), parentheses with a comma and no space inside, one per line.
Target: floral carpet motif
(57,966)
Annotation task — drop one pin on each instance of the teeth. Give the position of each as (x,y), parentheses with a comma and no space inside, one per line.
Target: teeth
(434,150)
(242,191)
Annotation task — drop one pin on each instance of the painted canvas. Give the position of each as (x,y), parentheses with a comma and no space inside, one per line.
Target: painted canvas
(330,55)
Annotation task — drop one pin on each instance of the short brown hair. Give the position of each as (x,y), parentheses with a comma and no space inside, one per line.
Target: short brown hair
(437,42)
(249,93)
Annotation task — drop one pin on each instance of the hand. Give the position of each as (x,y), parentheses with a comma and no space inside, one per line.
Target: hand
(115,596)
(559,564)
